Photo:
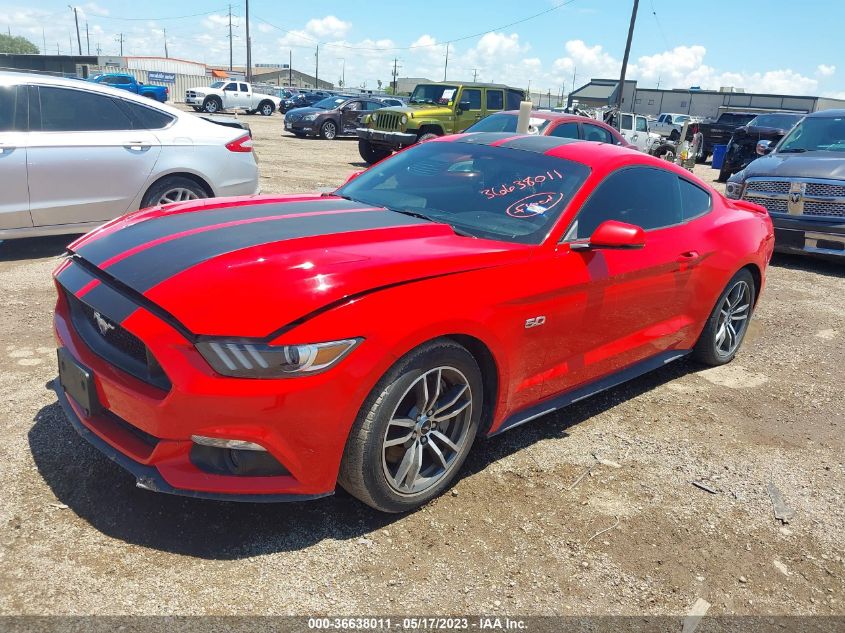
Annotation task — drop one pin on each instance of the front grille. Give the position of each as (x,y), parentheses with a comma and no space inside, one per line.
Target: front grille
(825,190)
(117,345)
(774,205)
(388,121)
(830,209)
(190,93)
(769,186)
(293,116)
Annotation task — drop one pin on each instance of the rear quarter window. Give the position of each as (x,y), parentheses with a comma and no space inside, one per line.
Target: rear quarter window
(144,118)
(695,201)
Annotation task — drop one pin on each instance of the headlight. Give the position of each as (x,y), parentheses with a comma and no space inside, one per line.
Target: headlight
(246,359)
(404,119)
(309,117)
(733,190)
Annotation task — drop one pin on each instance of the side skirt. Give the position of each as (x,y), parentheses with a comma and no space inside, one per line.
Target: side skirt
(591,389)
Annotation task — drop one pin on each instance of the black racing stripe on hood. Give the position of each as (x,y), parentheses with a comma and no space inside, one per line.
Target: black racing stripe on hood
(158,263)
(539,144)
(108,246)
(109,303)
(73,278)
(483,138)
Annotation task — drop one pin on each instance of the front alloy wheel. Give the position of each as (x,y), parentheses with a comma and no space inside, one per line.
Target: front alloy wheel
(415,429)
(427,430)
(328,130)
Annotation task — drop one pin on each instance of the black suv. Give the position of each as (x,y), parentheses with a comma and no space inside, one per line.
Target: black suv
(802,184)
(331,117)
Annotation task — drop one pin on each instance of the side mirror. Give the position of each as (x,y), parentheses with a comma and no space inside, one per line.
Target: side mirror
(613,234)
(764,147)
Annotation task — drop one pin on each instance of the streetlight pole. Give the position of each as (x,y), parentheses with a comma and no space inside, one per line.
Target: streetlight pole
(342,72)
(248,46)
(76,19)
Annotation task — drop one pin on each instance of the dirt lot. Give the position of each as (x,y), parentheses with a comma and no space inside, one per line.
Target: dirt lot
(516,536)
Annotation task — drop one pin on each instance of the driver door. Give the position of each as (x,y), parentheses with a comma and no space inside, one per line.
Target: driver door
(625,305)
(468,108)
(350,117)
(230,96)
(14,201)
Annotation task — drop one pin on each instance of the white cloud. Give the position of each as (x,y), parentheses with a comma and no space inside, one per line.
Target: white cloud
(825,70)
(329,27)
(498,45)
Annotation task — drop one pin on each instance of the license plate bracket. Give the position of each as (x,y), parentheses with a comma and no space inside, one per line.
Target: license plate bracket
(78,383)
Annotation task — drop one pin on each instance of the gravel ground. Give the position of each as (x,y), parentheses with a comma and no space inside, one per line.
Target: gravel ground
(522,532)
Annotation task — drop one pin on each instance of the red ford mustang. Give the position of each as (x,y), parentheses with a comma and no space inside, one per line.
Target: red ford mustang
(268,348)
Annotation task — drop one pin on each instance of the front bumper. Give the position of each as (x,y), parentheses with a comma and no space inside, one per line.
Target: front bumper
(302,127)
(809,236)
(393,140)
(302,422)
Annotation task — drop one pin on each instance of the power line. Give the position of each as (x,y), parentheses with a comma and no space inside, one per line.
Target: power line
(159,18)
(406,48)
(659,26)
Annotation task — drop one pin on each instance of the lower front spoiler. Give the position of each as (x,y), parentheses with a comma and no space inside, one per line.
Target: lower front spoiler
(803,236)
(148,477)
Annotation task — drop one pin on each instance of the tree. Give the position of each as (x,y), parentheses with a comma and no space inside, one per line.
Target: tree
(17,45)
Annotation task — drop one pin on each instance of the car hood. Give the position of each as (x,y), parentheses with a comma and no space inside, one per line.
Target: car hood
(307,110)
(419,109)
(807,165)
(246,267)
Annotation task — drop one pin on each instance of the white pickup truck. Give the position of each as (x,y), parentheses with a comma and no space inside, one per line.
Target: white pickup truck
(231,95)
(670,124)
(635,129)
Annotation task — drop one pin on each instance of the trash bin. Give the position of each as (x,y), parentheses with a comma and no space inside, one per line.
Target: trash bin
(719,156)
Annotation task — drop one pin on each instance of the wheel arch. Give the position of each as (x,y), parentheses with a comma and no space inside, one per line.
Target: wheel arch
(430,128)
(489,375)
(757,275)
(175,174)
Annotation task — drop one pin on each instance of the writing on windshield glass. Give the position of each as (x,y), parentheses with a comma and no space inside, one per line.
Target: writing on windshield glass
(521,184)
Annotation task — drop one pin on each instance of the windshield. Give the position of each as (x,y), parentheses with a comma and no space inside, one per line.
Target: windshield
(507,123)
(780,121)
(217,84)
(492,192)
(438,95)
(329,103)
(816,134)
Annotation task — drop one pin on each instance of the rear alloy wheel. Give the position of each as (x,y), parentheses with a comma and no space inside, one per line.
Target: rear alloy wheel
(728,323)
(415,429)
(173,189)
(265,108)
(328,130)
(372,153)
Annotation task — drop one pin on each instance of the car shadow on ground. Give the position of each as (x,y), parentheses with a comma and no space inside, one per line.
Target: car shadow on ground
(819,265)
(34,247)
(105,496)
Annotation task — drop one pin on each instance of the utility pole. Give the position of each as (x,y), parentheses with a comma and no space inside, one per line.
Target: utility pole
(621,86)
(120,39)
(99,50)
(317,68)
(342,72)
(230,38)
(474,75)
(446,65)
(550,98)
(78,39)
(87,39)
(574,71)
(290,68)
(164,31)
(43,41)
(395,74)
(248,46)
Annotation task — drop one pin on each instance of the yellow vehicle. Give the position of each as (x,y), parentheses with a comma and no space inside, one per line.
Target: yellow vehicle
(434,109)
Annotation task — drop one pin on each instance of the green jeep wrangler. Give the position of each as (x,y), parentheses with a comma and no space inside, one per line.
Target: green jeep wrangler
(434,109)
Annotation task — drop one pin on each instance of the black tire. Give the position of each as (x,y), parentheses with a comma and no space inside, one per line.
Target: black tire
(674,135)
(365,467)
(197,108)
(169,184)
(666,153)
(328,130)
(266,108)
(427,137)
(372,153)
(707,349)
(250,112)
(212,104)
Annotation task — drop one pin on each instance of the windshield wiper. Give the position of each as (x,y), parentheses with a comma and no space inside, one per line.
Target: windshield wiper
(793,150)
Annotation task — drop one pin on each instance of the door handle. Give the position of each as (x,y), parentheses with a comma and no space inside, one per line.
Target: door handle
(137,146)
(688,257)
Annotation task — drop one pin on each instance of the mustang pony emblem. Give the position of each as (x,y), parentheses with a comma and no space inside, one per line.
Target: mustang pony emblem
(103,325)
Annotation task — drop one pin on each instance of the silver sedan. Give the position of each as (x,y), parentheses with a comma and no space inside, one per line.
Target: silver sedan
(75,154)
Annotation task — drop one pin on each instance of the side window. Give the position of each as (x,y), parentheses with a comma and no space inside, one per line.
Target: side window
(667,118)
(514,99)
(495,100)
(353,105)
(644,196)
(244,88)
(7,108)
(145,118)
(565,130)
(596,133)
(642,126)
(627,122)
(231,87)
(68,110)
(695,201)
(473,95)
(369,106)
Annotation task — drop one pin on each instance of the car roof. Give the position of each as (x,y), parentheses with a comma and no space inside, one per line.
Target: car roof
(467,84)
(826,114)
(551,116)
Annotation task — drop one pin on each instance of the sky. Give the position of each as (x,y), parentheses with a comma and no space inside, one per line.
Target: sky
(776,46)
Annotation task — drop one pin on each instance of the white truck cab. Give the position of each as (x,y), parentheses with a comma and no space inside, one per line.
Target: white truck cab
(231,94)
(670,124)
(635,129)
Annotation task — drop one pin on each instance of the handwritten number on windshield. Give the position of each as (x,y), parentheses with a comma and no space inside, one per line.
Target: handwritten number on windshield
(521,184)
